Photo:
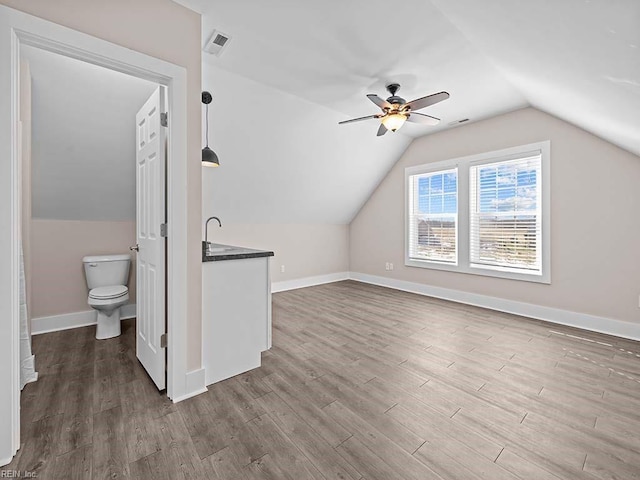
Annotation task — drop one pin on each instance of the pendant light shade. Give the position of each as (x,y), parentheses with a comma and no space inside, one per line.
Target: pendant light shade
(209,157)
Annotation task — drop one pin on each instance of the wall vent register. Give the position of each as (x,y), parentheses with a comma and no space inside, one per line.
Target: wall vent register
(217,42)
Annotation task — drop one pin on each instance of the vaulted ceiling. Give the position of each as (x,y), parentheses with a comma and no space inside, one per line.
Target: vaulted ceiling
(284,159)
(576,59)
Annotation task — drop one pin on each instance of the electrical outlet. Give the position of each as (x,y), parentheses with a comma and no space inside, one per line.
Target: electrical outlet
(391,266)
(386,266)
(281,268)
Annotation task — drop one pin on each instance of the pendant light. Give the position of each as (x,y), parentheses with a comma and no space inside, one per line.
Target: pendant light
(209,157)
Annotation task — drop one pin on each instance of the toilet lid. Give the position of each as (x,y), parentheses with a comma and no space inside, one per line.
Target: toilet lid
(112,291)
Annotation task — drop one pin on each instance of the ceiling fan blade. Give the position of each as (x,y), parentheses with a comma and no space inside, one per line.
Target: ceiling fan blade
(379,101)
(359,119)
(423,119)
(382,130)
(423,102)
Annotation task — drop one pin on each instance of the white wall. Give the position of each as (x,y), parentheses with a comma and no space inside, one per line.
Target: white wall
(58,280)
(304,250)
(594,208)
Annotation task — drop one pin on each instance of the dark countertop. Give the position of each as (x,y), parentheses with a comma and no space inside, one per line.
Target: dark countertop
(230,252)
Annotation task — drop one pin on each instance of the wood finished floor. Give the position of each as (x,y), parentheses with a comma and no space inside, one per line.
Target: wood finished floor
(362,382)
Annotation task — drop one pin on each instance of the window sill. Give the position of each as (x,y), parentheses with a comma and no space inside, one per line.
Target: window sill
(481,271)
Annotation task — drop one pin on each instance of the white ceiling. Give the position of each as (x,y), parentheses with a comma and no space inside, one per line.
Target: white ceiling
(333,53)
(83,138)
(576,59)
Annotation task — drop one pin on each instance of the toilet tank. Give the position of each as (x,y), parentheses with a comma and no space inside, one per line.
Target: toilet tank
(106,270)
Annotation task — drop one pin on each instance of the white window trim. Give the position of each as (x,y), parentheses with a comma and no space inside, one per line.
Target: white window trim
(463,242)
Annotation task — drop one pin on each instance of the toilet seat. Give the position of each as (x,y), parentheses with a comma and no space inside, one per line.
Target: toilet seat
(111,292)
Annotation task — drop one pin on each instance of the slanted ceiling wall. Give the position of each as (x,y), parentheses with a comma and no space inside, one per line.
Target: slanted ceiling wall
(83,147)
(285,159)
(594,229)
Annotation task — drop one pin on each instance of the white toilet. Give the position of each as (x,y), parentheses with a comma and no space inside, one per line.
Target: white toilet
(107,277)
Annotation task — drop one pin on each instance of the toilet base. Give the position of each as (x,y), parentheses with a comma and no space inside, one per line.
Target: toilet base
(108,325)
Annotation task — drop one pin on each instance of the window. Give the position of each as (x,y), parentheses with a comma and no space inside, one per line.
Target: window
(505,215)
(487,214)
(434,216)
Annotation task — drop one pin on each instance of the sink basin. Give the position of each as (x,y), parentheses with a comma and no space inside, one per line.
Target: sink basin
(214,248)
(219,249)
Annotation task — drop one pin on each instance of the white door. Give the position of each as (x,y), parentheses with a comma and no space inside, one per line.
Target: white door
(150,208)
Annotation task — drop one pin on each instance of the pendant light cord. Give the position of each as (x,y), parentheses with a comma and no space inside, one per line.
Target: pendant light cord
(207,123)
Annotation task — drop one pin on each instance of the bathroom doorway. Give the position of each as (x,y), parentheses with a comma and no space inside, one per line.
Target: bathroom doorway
(26,30)
(93,168)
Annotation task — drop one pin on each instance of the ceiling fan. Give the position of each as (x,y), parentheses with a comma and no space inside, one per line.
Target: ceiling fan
(396,110)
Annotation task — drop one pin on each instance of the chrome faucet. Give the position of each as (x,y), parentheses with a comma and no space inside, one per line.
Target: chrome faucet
(206,229)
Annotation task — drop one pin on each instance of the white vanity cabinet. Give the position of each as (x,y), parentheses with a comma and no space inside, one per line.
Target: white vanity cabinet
(236,311)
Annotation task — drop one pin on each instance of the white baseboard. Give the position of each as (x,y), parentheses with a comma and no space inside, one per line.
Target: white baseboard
(609,326)
(66,321)
(308,281)
(195,385)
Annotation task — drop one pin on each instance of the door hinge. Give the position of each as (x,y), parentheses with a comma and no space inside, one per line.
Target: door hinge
(163,340)
(164,119)
(163,229)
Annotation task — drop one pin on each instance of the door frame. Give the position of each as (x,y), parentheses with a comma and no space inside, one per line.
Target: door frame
(18,28)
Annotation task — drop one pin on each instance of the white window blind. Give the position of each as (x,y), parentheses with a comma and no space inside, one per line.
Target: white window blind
(505,214)
(433,216)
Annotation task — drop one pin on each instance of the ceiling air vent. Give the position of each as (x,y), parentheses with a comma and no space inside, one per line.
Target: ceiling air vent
(217,42)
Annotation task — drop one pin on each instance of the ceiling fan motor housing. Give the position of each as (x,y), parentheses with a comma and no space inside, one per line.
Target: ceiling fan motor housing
(395,100)
(392,88)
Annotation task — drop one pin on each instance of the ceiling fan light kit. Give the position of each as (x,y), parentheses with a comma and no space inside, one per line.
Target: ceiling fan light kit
(396,111)
(394,121)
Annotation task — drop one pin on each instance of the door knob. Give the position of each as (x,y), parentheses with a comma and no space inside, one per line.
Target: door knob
(135,248)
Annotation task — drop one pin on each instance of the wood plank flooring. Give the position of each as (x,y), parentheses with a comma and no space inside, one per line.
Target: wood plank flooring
(362,382)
